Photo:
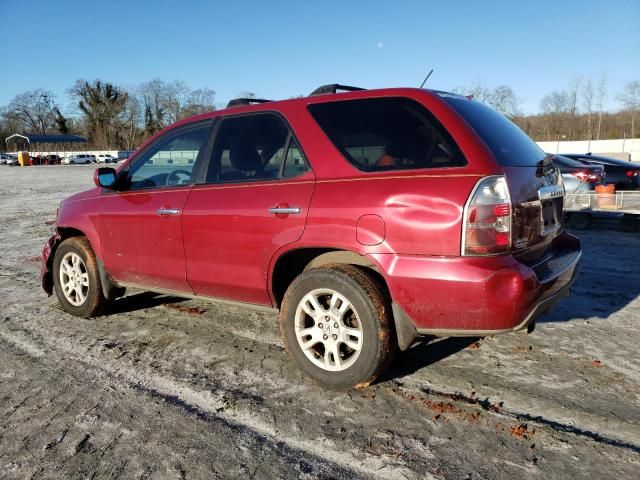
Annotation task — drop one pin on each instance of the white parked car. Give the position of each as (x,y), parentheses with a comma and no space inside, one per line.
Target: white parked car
(106,158)
(78,159)
(8,159)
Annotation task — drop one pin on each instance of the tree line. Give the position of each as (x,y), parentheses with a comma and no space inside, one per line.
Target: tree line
(117,118)
(576,112)
(109,116)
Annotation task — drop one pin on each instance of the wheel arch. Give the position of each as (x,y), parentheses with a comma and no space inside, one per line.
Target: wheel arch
(293,262)
(110,288)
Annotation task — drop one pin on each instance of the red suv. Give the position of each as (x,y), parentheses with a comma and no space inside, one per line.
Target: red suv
(369,218)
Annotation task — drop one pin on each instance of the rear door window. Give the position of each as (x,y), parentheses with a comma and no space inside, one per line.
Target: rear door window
(378,134)
(254,147)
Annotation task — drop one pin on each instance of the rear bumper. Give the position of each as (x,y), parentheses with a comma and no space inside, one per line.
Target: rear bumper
(474,296)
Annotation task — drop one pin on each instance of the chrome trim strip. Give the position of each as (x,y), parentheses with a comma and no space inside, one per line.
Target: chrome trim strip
(550,191)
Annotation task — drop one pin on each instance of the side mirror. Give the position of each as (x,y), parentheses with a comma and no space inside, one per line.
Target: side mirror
(105,177)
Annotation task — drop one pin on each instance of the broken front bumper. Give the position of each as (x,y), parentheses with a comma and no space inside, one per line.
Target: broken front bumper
(46,268)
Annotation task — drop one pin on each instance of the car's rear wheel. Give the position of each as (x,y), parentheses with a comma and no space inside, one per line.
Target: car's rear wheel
(336,325)
(76,278)
(580,221)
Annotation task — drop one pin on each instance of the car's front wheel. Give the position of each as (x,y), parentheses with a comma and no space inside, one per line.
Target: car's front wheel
(76,278)
(336,324)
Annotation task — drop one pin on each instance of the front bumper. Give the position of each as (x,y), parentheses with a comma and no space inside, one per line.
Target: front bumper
(477,296)
(46,275)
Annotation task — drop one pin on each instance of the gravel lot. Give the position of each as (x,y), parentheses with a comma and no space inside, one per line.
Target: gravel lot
(167,388)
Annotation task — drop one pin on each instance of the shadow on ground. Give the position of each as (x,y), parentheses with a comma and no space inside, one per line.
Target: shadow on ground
(608,281)
(423,354)
(140,301)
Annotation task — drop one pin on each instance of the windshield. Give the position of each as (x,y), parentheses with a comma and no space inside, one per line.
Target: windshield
(509,145)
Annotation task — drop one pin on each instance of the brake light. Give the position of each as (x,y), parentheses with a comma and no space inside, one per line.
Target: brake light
(587,176)
(487,218)
(632,173)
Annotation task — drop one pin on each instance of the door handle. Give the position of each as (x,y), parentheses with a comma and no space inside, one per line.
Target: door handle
(284,210)
(167,211)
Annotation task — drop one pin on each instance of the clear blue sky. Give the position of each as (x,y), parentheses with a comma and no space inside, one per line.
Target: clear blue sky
(279,49)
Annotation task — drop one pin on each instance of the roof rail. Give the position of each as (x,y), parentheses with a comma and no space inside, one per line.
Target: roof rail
(333,88)
(236,102)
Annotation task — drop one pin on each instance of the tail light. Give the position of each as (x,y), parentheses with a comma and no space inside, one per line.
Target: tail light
(487,218)
(587,176)
(633,173)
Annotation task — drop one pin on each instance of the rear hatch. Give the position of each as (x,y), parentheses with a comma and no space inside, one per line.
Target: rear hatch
(535,184)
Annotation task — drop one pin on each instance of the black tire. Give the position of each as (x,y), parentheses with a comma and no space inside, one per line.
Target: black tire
(580,221)
(630,223)
(373,310)
(94,302)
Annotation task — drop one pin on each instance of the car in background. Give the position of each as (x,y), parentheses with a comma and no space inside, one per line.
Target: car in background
(9,159)
(578,176)
(81,158)
(106,158)
(624,175)
(51,159)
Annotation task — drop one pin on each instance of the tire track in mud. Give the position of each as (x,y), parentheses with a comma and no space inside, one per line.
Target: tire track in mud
(210,406)
(173,392)
(497,408)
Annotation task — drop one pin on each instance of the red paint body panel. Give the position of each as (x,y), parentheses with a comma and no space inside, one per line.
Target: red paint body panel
(139,245)
(225,243)
(468,293)
(230,236)
(370,230)
(422,214)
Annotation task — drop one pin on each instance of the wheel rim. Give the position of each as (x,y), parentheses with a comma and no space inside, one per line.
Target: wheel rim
(328,330)
(74,279)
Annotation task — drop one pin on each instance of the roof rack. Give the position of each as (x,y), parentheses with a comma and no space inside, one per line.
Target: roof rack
(333,88)
(236,102)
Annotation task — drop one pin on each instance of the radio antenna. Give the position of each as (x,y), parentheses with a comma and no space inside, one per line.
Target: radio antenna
(426,78)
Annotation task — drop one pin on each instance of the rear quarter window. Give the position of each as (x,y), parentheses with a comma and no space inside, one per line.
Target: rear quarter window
(380,134)
(510,146)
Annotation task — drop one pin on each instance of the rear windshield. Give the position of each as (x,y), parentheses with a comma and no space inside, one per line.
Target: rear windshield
(566,162)
(606,161)
(378,134)
(509,145)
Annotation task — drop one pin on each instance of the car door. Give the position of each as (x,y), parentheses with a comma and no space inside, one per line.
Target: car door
(140,224)
(253,201)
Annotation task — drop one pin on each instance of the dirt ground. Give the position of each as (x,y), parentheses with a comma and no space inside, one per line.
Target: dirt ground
(166,388)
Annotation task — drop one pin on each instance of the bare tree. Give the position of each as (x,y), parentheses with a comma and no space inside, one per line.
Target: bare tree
(130,121)
(600,99)
(101,103)
(555,107)
(573,91)
(572,94)
(629,97)
(152,94)
(33,112)
(504,100)
(200,101)
(478,91)
(588,95)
